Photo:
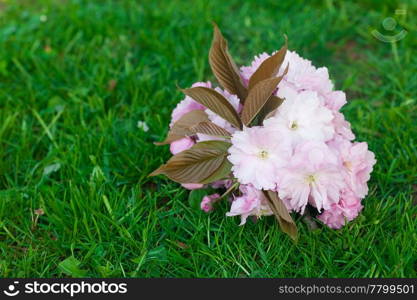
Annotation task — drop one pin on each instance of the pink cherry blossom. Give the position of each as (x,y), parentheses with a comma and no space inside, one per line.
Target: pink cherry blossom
(252,202)
(302,75)
(208,201)
(301,117)
(346,210)
(341,126)
(357,163)
(334,100)
(257,154)
(187,105)
(313,176)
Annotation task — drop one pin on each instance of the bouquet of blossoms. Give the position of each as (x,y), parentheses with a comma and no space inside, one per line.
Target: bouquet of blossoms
(272,139)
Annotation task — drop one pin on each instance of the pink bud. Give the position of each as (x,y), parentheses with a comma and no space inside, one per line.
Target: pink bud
(207,202)
(181,145)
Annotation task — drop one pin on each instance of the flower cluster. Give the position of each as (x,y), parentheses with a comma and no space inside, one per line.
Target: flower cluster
(319,164)
(302,151)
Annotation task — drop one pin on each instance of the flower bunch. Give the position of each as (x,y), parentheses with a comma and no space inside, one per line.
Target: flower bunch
(273,138)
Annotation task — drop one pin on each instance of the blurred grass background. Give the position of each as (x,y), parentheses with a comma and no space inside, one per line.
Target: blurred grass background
(77,76)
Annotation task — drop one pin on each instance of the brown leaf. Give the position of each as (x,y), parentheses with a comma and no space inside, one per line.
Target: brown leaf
(210,128)
(271,105)
(269,67)
(223,66)
(222,172)
(195,164)
(215,102)
(257,98)
(269,108)
(181,128)
(281,213)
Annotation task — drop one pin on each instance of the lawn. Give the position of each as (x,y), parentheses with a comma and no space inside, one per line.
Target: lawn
(77,76)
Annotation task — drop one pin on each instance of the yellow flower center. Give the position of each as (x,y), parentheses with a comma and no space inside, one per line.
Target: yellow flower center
(263,154)
(311,178)
(293,125)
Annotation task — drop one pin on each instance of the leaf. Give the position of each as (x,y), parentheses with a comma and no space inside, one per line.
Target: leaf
(181,128)
(209,128)
(221,173)
(195,164)
(71,267)
(281,213)
(223,66)
(215,102)
(271,105)
(269,108)
(257,98)
(269,67)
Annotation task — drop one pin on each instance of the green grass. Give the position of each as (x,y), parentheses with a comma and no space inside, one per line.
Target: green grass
(73,88)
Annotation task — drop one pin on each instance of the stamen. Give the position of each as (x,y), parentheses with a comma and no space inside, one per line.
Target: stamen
(311,178)
(263,154)
(293,125)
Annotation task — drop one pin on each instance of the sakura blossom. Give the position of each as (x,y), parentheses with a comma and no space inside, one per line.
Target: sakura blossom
(301,117)
(342,127)
(342,212)
(312,176)
(252,202)
(257,155)
(301,75)
(357,162)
